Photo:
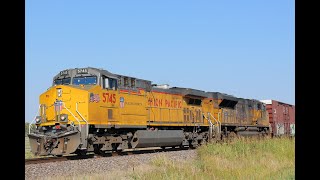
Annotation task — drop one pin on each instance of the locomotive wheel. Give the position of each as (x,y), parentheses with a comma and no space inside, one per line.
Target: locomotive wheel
(115,147)
(97,149)
(81,152)
(182,147)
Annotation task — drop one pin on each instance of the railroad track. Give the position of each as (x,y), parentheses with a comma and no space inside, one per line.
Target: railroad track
(76,157)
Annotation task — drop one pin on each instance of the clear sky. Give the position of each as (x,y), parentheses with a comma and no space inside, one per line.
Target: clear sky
(244,48)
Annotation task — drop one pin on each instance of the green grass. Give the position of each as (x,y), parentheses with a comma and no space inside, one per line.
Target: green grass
(28,153)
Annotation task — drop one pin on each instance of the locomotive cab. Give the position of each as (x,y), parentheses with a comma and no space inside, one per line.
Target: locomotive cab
(62,125)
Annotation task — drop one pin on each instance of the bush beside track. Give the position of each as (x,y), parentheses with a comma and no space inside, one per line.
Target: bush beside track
(28,153)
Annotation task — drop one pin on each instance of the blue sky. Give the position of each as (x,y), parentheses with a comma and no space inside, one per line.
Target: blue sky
(244,48)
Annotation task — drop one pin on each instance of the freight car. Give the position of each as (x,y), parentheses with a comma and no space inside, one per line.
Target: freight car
(281,117)
(93,110)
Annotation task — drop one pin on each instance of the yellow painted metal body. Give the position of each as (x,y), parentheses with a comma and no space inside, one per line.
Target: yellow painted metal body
(109,107)
(70,96)
(229,116)
(261,117)
(172,110)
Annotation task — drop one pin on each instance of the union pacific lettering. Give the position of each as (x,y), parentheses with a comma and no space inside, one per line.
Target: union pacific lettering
(165,103)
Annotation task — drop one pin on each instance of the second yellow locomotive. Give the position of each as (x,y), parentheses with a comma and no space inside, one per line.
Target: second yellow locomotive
(93,110)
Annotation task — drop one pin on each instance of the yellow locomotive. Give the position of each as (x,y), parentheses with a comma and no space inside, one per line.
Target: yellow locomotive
(93,110)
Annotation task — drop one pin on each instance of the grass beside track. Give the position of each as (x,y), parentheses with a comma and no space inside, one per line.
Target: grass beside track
(28,153)
(244,158)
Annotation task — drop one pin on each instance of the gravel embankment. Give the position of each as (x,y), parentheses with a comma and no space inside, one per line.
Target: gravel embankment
(99,165)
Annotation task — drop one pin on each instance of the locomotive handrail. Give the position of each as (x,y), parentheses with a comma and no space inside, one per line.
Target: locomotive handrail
(82,117)
(219,120)
(215,120)
(211,125)
(34,118)
(64,105)
(219,123)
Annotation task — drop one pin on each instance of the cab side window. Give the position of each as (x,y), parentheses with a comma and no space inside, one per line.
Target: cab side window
(126,81)
(113,84)
(109,83)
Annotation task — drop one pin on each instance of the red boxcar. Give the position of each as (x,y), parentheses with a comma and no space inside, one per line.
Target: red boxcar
(281,117)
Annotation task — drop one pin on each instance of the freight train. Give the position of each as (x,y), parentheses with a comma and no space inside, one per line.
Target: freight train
(281,118)
(94,110)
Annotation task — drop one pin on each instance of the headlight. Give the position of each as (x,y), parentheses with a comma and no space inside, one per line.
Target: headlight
(59,91)
(38,119)
(64,117)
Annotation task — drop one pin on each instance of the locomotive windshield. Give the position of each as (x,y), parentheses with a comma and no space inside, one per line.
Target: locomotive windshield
(62,81)
(87,80)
